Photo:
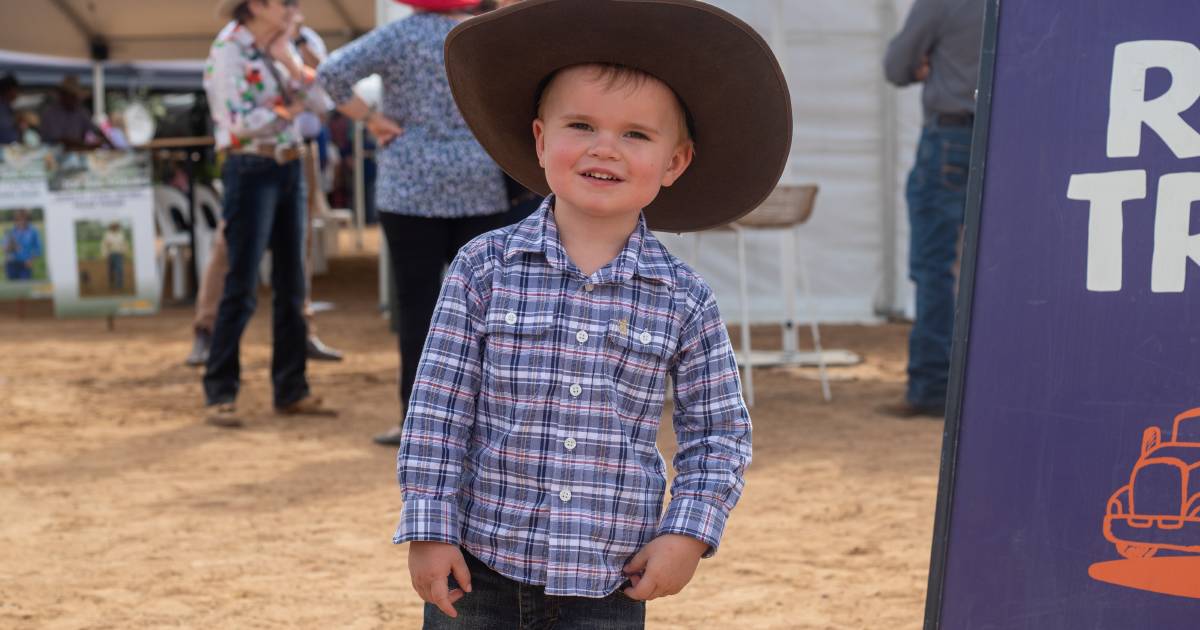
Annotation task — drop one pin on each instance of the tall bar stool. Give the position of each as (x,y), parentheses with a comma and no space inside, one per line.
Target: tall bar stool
(786,208)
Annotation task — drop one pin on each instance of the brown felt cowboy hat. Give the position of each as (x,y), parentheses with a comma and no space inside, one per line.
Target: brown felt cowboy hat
(723,71)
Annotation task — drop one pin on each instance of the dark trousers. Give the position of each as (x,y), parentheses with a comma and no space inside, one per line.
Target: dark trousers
(16,270)
(420,248)
(936,195)
(264,207)
(498,603)
(116,271)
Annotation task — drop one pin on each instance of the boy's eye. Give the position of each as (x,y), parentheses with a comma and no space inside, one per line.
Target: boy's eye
(637,135)
(580,126)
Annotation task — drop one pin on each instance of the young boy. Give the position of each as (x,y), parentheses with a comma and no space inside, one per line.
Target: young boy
(531,479)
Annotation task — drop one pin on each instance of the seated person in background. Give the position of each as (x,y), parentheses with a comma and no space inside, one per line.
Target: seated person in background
(66,121)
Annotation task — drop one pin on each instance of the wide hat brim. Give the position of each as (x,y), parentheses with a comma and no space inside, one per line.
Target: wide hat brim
(722,70)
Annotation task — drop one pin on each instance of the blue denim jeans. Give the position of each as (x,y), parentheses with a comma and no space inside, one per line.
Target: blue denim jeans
(936,196)
(264,206)
(498,603)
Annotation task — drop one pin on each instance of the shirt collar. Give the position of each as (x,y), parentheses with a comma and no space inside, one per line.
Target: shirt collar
(242,36)
(642,254)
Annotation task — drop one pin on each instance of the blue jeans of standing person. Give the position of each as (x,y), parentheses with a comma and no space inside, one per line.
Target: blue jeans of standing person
(496,602)
(936,196)
(264,207)
(116,272)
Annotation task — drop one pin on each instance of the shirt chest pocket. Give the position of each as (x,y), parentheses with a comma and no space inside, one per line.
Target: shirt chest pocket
(517,351)
(639,350)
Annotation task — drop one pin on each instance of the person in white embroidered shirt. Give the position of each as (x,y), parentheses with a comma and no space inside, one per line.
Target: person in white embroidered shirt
(257,85)
(528,465)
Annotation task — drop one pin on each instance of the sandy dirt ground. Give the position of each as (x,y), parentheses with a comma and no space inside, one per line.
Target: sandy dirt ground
(119,508)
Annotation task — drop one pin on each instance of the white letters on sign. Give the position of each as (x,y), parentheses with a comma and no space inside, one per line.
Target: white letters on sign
(1175,247)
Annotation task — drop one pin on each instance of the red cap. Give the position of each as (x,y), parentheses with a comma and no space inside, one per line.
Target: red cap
(441,5)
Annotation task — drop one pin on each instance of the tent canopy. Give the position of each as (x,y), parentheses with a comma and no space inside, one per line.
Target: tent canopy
(151,29)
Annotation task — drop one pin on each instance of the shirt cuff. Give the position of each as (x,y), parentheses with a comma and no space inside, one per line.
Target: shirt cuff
(696,519)
(428,520)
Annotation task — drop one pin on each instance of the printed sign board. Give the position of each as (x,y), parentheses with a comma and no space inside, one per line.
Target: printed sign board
(23,245)
(1070,494)
(101,216)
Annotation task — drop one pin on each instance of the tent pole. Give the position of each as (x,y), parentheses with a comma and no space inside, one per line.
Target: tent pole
(99,114)
(360,187)
(889,130)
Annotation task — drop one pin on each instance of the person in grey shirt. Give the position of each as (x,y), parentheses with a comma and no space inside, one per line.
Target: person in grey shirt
(938,47)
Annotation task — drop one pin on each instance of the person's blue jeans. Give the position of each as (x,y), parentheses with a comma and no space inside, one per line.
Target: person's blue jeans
(936,196)
(496,602)
(116,272)
(264,206)
(17,270)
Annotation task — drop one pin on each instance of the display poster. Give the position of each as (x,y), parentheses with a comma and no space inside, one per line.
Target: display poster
(101,216)
(1070,494)
(23,239)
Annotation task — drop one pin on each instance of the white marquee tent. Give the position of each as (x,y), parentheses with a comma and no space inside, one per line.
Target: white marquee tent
(854,135)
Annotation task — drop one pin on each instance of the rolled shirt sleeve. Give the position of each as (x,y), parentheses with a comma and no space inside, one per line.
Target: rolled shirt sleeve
(712,428)
(441,413)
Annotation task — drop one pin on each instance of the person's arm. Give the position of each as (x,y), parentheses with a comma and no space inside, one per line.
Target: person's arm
(226,82)
(367,55)
(437,429)
(712,429)
(908,52)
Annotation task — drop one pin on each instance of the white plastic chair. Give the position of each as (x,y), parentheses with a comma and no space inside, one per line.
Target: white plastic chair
(786,208)
(171,216)
(208,207)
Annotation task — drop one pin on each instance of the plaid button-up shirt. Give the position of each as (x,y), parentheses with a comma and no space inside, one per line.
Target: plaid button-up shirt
(530,436)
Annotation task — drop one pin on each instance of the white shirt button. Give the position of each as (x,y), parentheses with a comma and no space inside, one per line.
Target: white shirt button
(510,318)
(576,390)
(581,336)
(564,495)
(645,337)
(570,443)
(589,287)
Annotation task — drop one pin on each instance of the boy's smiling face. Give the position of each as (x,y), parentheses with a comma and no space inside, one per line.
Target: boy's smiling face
(608,147)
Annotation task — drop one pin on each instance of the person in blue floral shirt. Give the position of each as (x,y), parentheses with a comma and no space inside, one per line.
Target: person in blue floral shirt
(257,87)
(437,188)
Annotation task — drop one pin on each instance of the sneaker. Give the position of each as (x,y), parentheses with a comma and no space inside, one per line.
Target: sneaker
(224,415)
(307,406)
(905,410)
(391,437)
(318,351)
(200,348)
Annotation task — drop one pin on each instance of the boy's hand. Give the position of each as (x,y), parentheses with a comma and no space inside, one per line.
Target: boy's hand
(663,567)
(429,564)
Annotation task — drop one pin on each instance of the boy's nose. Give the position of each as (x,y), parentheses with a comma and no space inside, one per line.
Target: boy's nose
(603,148)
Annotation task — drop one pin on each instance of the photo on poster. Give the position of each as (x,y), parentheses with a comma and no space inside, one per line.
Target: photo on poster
(101,211)
(104,258)
(23,240)
(23,237)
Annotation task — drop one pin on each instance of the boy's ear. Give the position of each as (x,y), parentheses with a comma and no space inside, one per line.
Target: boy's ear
(539,140)
(681,159)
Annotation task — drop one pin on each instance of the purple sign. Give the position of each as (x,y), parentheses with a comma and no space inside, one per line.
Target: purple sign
(1070,492)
